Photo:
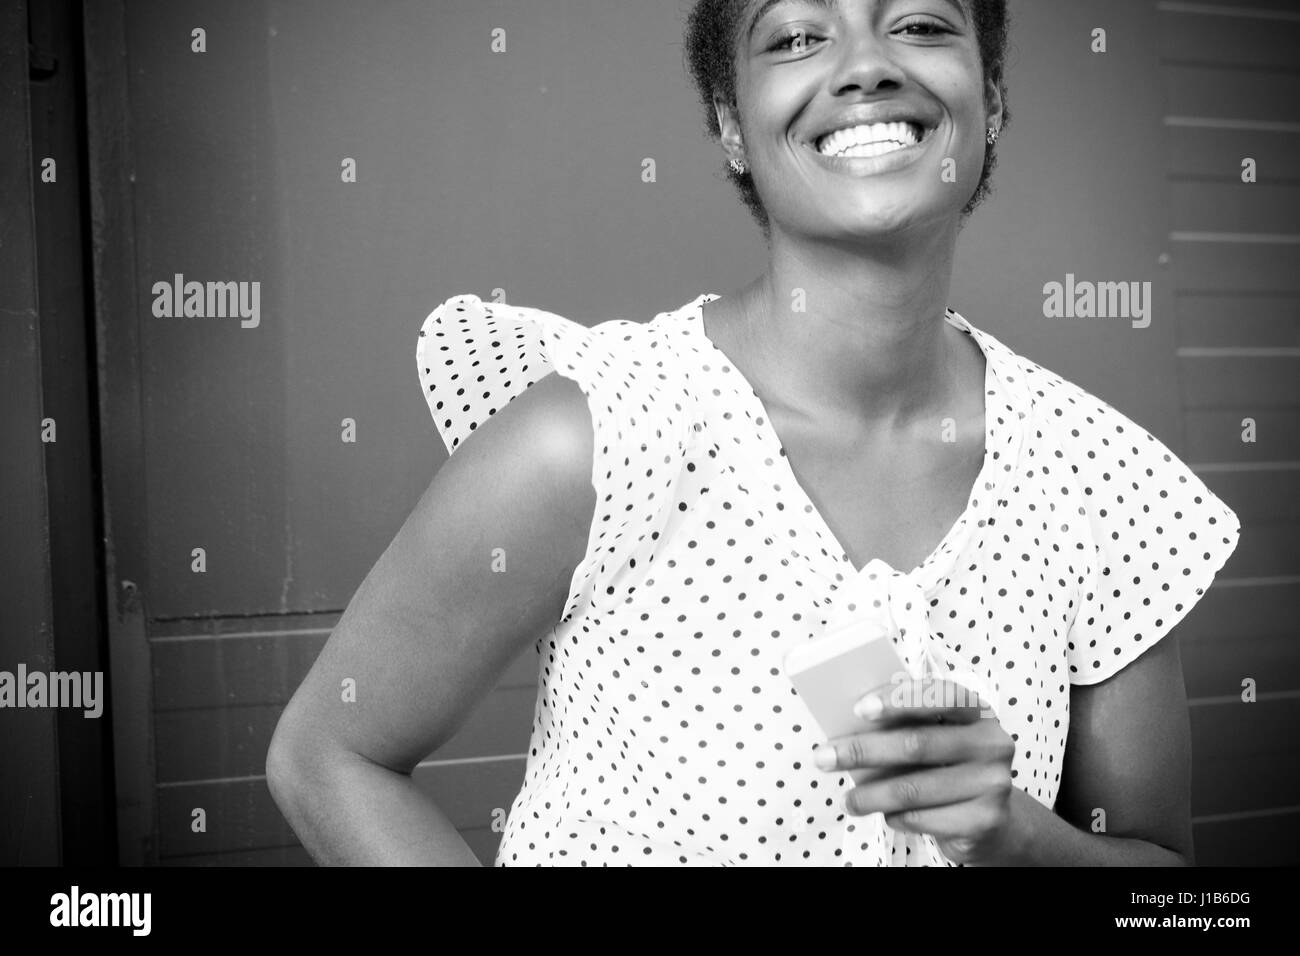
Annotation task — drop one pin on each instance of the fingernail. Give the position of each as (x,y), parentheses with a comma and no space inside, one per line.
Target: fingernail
(869,707)
(824,757)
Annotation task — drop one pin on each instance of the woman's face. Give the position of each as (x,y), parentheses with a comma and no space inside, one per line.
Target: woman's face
(902,77)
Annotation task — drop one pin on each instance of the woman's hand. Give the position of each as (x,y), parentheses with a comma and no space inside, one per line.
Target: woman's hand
(934,768)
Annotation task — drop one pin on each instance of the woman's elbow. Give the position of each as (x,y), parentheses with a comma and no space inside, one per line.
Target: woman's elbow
(288,762)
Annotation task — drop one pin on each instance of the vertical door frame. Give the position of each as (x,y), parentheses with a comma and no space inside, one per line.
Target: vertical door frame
(117,334)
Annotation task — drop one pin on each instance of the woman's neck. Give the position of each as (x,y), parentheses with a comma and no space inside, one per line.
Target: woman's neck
(851,336)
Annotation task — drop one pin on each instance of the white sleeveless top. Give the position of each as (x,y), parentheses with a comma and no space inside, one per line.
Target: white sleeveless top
(665,731)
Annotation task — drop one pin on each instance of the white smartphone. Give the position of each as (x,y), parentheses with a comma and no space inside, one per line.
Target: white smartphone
(833,672)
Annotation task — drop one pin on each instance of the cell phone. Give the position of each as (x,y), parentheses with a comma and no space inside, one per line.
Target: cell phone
(833,672)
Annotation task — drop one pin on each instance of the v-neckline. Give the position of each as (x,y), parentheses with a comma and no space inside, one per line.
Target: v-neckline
(694,312)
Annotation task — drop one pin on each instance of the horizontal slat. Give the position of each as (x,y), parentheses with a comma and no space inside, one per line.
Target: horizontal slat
(1250,42)
(1272,840)
(1234,207)
(1258,497)
(1238,320)
(1230,730)
(1238,94)
(483,841)
(1221,267)
(1266,611)
(1217,154)
(170,629)
(1215,435)
(1243,756)
(1274,9)
(1217,668)
(214,743)
(1265,550)
(236,670)
(470,794)
(239,816)
(278,856)
(232,672)
(242,816)
(1244,782)
(1237,382)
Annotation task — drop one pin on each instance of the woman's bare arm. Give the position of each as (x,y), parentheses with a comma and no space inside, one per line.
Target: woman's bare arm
(1125,787)
(431,629)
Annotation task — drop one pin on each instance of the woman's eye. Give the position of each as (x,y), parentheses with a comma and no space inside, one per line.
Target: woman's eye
(923,28)
(792,39)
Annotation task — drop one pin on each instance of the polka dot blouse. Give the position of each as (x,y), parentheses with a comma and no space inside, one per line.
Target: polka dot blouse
(665,731)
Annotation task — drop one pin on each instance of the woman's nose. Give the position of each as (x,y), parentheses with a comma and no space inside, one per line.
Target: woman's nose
(864,63)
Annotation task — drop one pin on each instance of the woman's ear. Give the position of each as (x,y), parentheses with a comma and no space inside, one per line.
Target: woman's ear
(993,103)
(729,126)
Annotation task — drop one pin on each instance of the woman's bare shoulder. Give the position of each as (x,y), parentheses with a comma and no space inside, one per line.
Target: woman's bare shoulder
(545,433)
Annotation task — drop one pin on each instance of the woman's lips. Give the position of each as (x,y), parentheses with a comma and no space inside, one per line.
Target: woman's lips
(871,165)
(907,132)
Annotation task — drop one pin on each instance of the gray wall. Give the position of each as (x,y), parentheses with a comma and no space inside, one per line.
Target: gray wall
(522,171)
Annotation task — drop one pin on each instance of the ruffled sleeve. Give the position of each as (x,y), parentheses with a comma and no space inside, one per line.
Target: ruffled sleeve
(1158,534)
(475,357)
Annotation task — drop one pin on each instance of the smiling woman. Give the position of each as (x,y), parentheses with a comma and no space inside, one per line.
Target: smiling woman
(774,27)
(832,448)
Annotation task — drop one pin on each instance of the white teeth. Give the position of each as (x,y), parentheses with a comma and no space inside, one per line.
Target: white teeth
(868,150)
(869,140)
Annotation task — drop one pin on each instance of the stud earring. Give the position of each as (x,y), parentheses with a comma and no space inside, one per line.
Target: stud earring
(993,135)
(738,166)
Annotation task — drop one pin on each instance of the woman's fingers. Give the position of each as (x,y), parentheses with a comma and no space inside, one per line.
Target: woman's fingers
(917,745)
(972,821)
(930,700)
(906,794)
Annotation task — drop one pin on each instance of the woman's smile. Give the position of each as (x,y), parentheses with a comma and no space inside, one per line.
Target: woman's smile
(856,152)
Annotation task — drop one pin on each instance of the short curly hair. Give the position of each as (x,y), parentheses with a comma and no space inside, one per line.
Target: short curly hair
(710,44)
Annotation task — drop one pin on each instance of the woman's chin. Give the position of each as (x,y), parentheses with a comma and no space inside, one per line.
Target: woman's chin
(878,219)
